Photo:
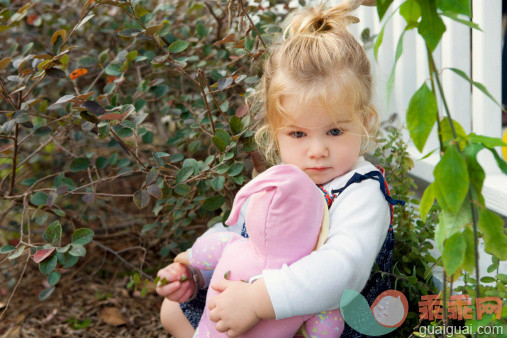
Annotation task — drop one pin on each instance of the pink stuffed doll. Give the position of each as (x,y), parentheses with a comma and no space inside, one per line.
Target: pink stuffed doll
(283,220)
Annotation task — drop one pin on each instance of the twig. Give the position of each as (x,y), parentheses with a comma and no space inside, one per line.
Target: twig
(16,287)
(208,111)
(102,246)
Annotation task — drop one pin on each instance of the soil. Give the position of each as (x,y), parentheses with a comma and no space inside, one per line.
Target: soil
(88,301)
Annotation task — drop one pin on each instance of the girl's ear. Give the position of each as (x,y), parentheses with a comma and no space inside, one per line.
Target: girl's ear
(370,118)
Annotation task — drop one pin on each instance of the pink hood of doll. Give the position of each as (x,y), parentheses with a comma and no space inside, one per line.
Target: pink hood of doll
(283,216)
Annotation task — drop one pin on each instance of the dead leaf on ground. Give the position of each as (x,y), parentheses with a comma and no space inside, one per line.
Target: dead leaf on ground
(112,316)
(13,332)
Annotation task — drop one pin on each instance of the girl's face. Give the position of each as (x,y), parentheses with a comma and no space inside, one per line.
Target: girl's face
(314,142)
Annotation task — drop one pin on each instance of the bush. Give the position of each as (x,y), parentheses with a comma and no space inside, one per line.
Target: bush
(123,115)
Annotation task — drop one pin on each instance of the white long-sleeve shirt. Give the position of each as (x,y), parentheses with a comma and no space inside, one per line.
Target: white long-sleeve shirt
(359,221)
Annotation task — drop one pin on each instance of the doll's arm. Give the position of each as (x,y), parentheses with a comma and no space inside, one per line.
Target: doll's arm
(326,323)
(207,250)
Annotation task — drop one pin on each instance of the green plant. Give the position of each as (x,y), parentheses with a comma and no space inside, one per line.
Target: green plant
(458,176)
(413,263)
(110,104)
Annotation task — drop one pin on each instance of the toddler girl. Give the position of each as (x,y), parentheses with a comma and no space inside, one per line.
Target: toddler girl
(316,92)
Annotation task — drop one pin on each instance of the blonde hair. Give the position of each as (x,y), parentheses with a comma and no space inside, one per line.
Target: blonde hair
(314,57)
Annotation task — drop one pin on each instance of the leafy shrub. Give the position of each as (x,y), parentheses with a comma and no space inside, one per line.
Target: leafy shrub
(107,105)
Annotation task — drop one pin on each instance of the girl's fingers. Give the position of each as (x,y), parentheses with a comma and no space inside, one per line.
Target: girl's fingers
(186,295)
(221,327)
(168,289)
(177,295)
(213,315)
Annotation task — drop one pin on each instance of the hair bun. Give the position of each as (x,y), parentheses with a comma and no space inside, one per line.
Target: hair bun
(320,19)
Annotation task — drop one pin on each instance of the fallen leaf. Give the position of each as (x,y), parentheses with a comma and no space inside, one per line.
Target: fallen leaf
(13,332)
(112,316)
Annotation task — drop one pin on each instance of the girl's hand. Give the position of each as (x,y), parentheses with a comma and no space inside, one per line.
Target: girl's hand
(239,306)
(180,286)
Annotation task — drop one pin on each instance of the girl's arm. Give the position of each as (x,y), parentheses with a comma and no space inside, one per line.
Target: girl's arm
(359,221)
(360,218)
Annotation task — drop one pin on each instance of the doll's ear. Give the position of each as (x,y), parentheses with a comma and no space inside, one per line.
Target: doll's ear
(276,177)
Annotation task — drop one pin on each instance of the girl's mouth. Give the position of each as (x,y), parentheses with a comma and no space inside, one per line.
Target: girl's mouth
(318,169)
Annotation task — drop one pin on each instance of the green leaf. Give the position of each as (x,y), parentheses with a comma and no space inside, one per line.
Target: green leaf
(222,134)
(44,294)
(141,198)
(80,164)
(48,265)
(113,70)
(176,158)
(450,223)
(202,31)
(421,115)
(495,239)
(18,252)
(6,249)
(54,277)
(390,81)
(236,125)
(488,142)
(478,85)
(131,56)
(382,7)
(161,91)
(455,17)
(63,249)
(427,201)
(451,179)
(380,36)
(499,161)
(217,183)
(184,174)
(154,191)
(236,169)
(178,46)
(477,174)
(53,233)
(77,250)
(140,11)
(57,45)
(125,132)
(213,202)
(39,198)
(152,176)
(447,134)
(182,189)
(431,27)
(455,6)
(469,261)
(453,255)
(129,32)
(219,143)
(82,236)
(101,162)
(411,11)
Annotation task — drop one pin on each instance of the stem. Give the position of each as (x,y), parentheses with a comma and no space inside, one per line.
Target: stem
(127,147)
(208,111)
(14,160)
(441,90)
(470,191)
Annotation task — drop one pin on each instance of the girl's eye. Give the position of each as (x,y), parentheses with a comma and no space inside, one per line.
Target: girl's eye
(335,132)
(297,134)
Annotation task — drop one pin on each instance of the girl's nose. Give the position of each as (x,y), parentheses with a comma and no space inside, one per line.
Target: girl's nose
(318,149)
